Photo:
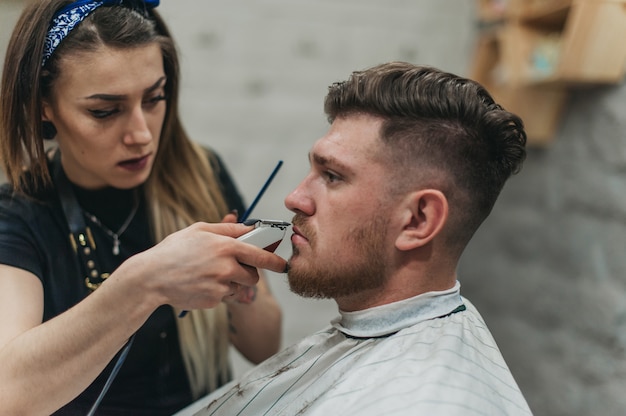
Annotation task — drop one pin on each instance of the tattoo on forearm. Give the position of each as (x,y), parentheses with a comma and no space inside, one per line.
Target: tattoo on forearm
(250,296)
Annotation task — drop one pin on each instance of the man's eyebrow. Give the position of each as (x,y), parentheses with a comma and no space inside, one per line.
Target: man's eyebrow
(328,160)
(114,97)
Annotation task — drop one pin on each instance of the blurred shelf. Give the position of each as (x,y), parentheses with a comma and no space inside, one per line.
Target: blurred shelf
(530,52)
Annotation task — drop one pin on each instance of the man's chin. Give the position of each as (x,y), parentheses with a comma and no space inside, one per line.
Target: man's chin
(301,282)
(295,262)
(307,292)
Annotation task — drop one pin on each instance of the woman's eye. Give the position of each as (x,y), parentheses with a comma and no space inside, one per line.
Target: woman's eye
(156,99)
(102,113)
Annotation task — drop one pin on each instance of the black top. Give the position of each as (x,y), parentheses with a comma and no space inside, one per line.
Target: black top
(34,237)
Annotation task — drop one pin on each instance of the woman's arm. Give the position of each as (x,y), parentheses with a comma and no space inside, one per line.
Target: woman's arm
(256,327)
(56,360)
(46,365)
(254,318)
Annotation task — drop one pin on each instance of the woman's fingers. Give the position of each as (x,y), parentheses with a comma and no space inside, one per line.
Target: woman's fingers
(246,253)
(205,264)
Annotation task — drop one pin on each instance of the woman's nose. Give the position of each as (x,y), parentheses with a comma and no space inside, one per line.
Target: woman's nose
(138,131)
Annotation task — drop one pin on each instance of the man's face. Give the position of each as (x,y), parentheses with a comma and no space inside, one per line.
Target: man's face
(340,241)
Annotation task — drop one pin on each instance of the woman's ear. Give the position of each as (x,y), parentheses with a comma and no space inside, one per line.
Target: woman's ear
(48,130)
(424,215)
(46,109)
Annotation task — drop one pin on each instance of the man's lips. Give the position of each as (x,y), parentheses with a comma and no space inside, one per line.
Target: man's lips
(297,235)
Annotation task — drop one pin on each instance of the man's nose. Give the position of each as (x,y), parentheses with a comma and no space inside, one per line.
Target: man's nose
(300,200)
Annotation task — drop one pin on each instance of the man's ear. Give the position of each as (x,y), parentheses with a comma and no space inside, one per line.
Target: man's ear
(424,215)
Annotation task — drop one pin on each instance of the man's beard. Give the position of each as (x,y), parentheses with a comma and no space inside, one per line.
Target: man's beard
(333,277)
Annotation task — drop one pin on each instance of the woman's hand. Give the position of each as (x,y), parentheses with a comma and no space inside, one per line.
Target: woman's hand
(198,267)
(240,293)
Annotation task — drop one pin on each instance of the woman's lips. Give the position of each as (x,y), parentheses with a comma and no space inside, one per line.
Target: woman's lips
(135,164)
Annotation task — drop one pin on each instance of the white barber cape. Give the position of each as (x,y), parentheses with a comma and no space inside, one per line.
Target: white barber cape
(427,355)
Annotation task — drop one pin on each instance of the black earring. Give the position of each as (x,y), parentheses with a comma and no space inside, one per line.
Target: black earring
(48,130)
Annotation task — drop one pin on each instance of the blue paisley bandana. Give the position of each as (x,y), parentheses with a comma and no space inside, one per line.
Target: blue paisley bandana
(70,16)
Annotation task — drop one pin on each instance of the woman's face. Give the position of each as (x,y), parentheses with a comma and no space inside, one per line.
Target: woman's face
(108,108)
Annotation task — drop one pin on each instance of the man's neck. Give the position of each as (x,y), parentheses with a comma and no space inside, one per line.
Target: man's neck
(398,287)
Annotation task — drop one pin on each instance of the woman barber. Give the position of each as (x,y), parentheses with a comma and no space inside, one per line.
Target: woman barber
(107,234)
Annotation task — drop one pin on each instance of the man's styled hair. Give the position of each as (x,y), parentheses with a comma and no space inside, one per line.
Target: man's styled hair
(439,130)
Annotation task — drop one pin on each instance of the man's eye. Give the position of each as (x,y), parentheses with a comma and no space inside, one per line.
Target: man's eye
(331,177)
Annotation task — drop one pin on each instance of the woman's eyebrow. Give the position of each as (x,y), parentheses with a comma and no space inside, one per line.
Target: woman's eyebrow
(116,97)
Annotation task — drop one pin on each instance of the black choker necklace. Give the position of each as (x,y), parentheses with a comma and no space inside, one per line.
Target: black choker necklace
(116,235)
